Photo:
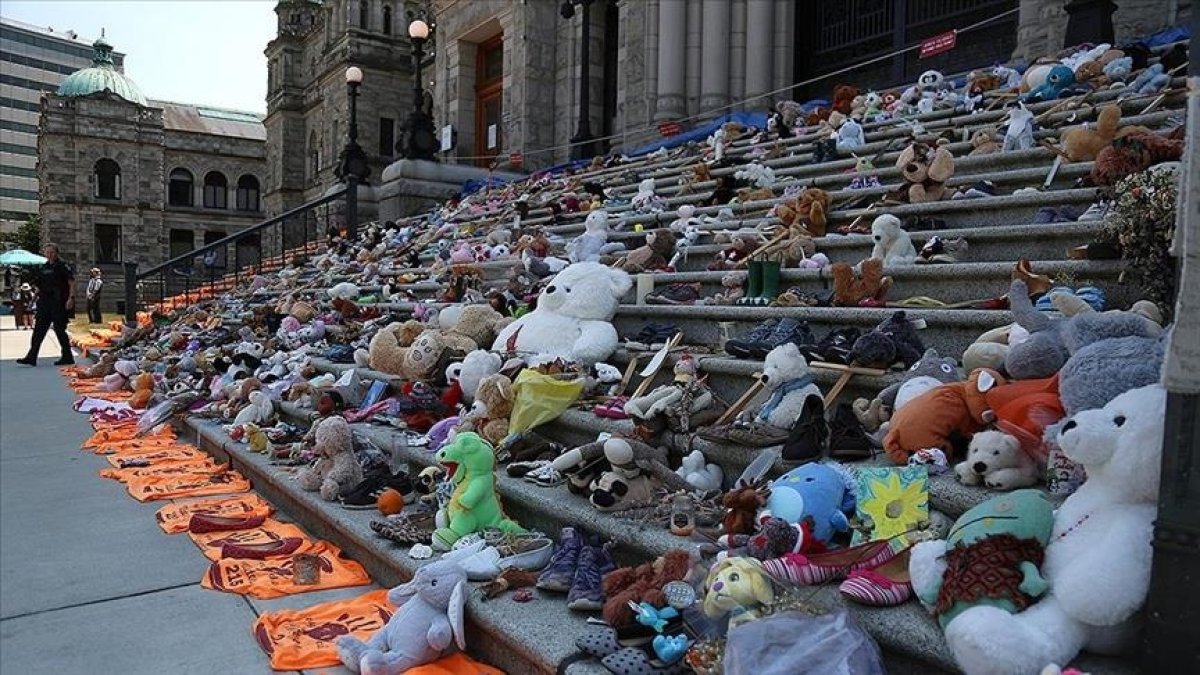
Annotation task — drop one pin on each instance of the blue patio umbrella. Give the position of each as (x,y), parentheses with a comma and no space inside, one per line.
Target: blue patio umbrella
(20,256)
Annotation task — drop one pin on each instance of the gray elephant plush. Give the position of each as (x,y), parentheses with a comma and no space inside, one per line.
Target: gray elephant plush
(429,614)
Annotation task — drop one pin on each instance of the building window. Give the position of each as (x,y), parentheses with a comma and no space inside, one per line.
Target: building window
(364,15)
(108,179)
(387,20)
(387,136)
(108,244)
(181,243)
(215,190)
(215,258)
(179,188)
(247,193)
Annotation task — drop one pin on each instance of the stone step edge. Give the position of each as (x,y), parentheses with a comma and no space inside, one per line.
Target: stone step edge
(388,565)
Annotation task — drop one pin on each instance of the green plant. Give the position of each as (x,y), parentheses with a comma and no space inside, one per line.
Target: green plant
(28,236)
(1142,223)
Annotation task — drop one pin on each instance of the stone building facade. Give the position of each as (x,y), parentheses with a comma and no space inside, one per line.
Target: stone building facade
(1043,23)
(123,181)
(307,103)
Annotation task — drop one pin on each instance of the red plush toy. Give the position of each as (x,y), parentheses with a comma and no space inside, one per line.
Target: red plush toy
(943,417)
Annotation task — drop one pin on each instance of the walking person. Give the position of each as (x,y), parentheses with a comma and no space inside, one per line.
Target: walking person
(22,301)
(95,283)
(55,301)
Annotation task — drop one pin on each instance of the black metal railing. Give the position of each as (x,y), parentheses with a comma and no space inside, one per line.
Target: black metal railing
(226,262)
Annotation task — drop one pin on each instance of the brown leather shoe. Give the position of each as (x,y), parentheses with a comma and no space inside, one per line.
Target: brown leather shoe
(1037,284)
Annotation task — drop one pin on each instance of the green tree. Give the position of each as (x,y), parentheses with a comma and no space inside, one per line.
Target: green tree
(27,236)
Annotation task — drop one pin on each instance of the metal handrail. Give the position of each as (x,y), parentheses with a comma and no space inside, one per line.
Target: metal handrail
(224,241)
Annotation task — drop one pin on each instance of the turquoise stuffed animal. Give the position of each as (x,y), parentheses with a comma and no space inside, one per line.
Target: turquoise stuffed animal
(1057,82)
(475,503)
(991,557)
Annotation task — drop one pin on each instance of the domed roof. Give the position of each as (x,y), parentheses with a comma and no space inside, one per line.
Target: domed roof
(102,76)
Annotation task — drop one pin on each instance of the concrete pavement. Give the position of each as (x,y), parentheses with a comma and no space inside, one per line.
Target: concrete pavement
(88,581)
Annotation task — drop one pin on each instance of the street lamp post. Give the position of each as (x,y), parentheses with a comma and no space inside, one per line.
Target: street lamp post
(420,141)
(353,169)
(582,144)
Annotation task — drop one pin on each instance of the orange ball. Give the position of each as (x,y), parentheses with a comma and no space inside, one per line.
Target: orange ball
(390,502)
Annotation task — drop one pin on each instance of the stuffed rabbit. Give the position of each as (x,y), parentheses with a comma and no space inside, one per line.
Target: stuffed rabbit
(429,613)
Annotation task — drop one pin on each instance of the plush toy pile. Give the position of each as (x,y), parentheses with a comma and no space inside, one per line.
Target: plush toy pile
(717,348)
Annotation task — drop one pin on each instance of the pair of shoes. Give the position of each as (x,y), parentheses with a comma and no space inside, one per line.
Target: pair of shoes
(577,569)
(614,409)
(26,361)
(818,568)
(834,347)
(938,250)
(885,585)
(365,495)
(769,335)
(809,433)
(848,440)
(675,294)
(406,529)
(651,337)
(762,283)
(1037,284)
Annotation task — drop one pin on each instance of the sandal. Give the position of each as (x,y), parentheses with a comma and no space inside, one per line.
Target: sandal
(634,661)
(818,568)
(202,523)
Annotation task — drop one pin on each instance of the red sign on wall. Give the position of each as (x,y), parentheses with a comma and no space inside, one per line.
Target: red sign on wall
(669,128)
(938,44)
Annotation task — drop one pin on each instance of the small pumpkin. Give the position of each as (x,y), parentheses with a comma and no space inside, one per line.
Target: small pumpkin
(390,502)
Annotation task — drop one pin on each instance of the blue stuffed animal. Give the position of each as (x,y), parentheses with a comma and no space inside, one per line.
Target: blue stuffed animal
(815,497)
(1059,79)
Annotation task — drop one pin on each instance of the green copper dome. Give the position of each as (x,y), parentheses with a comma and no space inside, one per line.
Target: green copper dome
(102,76)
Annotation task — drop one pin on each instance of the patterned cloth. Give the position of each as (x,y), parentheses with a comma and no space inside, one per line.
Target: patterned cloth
(988,569)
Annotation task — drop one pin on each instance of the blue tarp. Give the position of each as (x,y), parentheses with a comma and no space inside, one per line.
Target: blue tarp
(750,119)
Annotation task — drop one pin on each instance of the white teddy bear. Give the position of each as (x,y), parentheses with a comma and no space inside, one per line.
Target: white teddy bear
(593,243)
(996,459)
(892,244)
(1098,559)
(472,369)
(789,383)
(573,319)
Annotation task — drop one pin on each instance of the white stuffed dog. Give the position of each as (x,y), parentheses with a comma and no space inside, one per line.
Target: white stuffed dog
(997,460)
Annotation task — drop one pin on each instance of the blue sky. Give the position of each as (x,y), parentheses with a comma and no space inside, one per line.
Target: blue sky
(190,51)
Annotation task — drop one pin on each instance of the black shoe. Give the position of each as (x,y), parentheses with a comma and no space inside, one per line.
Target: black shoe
(806,439)
(366,494)
(787,330)
(27,361)
(835,346)
(847,439)
(741,347)
(65,361)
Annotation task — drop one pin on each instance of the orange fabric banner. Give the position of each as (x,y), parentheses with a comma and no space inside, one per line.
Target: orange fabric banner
(175,452)
(266,579)
(155,488)
(455,664)
(174,518)
(306,638)
(269,532)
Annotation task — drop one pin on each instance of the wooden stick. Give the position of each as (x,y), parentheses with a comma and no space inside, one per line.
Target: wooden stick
(628,376)
(1046,143)
(742,401)
(837,387)
(763,249)
(646,381)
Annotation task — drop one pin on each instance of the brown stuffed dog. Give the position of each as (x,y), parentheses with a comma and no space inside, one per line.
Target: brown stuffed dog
(643,583)
(850,290)
(925,170)
(1133,153)
(944,417)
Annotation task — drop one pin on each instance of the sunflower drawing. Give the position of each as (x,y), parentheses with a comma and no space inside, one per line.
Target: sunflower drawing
(892,501)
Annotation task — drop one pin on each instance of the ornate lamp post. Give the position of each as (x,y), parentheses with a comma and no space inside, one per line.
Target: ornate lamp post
(353,169)
(583,145)
(420,139)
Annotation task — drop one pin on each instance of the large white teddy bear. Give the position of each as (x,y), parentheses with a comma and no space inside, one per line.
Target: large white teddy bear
(788,383)
(593,243)
(892,244)
(573,319)
(1098,559)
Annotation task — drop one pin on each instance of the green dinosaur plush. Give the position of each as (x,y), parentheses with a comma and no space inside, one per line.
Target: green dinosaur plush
(475,504)
(991,557)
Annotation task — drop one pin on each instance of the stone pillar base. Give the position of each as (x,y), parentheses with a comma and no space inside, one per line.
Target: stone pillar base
(409,187)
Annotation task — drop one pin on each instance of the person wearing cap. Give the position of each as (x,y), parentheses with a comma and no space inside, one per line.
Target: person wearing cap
(55,301)
(22,297)
(95,283)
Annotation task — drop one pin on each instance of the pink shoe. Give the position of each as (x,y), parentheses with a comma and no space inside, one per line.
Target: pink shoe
(819,568)
(886,585)
(613,410)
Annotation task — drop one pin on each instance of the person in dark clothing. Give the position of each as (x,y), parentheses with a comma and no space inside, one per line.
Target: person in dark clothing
(55,282)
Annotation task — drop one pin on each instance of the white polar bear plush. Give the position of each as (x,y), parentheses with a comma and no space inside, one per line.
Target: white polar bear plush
(996,459)
(472,369)
(593,243)
(789,383)
(1098,559)
(573,319)
(345,291)
(892,244)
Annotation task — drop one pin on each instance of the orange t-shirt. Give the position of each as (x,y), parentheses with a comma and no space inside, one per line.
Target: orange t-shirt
(265,579)
(132,446)
(203,465)
(110,435)
(176,452)
(269,532)
(174,518)
(155,488)
(306,638)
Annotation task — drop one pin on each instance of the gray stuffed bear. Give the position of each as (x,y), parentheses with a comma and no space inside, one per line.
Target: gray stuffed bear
(429,614)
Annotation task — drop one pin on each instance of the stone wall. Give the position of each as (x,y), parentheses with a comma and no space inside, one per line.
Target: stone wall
(1043,23)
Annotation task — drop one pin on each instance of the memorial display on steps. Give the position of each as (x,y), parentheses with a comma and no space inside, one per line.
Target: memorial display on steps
(712,381)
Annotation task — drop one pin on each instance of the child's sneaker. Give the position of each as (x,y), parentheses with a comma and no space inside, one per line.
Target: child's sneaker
(560,573)
(586,594)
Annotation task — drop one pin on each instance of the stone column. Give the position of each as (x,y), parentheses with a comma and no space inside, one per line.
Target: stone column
(691,61)
(760,61)
(672,31)
(784,37)
(714,75)
(737,53)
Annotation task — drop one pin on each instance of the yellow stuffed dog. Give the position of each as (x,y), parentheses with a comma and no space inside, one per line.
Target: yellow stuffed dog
(737,586)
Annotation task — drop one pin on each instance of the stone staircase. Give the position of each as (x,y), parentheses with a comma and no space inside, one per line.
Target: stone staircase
(535,637)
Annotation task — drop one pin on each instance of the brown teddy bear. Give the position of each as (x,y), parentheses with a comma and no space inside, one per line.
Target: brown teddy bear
(494,399)
(654,254)
(1133,153)
(386,349)
(1083,143)
(811,208)
(843,98)
(984,142)
(102,368)
(643,583)
(849,290)
(925,170)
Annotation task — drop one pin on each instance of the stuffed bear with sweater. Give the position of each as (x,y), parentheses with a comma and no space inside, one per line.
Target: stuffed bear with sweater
(1097,561)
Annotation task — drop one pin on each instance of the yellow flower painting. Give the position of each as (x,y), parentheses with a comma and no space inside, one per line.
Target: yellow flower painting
(891,501)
